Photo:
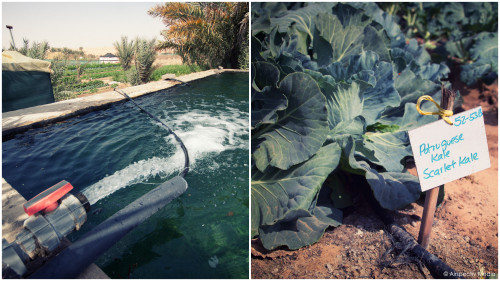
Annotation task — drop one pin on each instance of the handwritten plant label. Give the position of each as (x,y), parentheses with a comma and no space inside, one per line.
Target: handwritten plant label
(444,153)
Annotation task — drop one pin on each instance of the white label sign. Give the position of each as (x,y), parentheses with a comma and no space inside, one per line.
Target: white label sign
(444,152)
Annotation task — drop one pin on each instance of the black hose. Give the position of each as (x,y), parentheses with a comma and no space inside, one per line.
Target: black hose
(437,267)
(186,156)
(177,80)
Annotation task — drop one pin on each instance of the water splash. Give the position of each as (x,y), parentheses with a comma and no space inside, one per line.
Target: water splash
(203,135)
(132,174)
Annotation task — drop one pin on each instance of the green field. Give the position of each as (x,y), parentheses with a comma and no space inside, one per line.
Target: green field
(174,69)
(71,85)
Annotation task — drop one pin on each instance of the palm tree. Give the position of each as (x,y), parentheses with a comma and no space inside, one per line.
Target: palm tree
(125,52)
(145,55)
(241,28)
(208,34)
(25,48)
(36,51)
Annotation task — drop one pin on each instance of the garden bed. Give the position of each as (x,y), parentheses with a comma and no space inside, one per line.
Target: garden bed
(313,170)
(464,234)
(98,78)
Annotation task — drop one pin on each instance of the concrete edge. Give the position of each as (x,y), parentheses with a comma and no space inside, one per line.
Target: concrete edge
(19,121)
(13,215)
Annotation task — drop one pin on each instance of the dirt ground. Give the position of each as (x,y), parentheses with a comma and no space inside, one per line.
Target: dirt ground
(464,233)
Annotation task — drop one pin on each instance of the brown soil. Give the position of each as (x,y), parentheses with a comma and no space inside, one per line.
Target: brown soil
(464,233)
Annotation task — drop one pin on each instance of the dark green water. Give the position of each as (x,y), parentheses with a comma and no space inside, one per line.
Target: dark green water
(116,155)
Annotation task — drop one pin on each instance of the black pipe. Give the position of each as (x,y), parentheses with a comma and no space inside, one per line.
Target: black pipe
(438,268)
(74,259)
(186,156)
(177,80)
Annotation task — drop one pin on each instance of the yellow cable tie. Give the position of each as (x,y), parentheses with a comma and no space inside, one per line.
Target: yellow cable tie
(444,113)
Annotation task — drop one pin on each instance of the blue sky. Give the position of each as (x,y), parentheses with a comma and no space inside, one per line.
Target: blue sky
(75,24)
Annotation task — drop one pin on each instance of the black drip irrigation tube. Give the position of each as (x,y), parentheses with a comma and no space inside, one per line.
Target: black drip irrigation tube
(78,256)
(436,266)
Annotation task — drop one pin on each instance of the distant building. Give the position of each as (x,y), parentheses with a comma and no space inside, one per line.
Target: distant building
(109,58)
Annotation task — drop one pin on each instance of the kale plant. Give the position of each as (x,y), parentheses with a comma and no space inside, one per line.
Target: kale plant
(466,31)
(333,92)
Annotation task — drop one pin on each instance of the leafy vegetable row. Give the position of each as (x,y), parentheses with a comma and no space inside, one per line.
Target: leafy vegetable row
(333,92)
(84,86)
(97,70)
(465,32)
(101,74)
(93,66)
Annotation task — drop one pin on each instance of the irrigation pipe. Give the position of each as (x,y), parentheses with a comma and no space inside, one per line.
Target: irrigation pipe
(186,156)
(177,80)
(74,259)
(437,267)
